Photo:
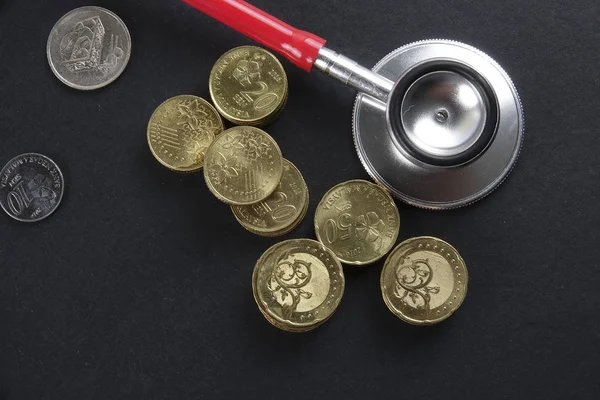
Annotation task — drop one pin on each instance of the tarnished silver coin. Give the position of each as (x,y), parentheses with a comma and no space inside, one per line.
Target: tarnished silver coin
(88,48)
(31,187)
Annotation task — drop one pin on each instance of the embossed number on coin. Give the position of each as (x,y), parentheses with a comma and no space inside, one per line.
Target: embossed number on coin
(282,211)
(358,221)
(248,85)
(31,187)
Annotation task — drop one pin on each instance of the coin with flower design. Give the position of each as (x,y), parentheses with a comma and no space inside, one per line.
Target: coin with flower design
(282,211)
(358,221)
(298,284)
(248,86)
(424,280)
(243,166)
(180,130)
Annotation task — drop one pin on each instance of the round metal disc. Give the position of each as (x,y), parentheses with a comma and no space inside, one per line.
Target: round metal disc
(31,187)
(443,113)
(451,131)
(88,48)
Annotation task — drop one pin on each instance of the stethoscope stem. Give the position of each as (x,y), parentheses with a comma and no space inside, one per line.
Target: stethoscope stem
(304,49)
(352,74)
(452,136)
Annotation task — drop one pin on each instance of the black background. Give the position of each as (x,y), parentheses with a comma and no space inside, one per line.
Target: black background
(139,287)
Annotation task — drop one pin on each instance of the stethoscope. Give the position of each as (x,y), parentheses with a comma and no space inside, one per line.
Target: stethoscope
(437,122)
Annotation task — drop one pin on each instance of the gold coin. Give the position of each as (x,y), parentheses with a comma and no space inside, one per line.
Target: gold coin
(289,328)
(248,86)
(180,130)
(281,232)
(281,210)
(424,280)
(243,166)
(298,284)
(358,221)
(271,118)
(292,226)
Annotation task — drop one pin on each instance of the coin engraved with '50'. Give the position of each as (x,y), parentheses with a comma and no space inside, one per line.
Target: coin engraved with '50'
(243,166)
(424,280)
(358,221)
(248,85)
(180,131)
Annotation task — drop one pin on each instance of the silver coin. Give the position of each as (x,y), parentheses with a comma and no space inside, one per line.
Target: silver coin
(31,187)
(88,48)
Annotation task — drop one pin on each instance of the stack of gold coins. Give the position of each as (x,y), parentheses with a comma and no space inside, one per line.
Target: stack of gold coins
(358,221)
(298,284)
(424,280)
(282,211)
(180,131)
(243,166)
(248,86)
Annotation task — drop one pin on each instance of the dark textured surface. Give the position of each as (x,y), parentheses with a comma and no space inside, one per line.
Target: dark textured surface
(139,286)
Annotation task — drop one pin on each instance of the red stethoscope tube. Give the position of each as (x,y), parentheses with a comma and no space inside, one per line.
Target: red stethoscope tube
(377,110)
(300,47)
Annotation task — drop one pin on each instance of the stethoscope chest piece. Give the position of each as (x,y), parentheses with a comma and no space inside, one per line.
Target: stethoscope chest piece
(450,131)
(437,122)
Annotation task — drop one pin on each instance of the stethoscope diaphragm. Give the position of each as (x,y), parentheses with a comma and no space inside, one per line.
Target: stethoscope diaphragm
(437,122)
(451,130)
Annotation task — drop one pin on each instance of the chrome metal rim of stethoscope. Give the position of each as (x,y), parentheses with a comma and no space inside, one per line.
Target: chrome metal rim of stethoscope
(451,131)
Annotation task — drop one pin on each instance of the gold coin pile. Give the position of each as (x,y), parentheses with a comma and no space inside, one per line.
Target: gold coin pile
(267,193)
(243,165)
(248,86)
(298,284)
(282,211)
(358,221)
(424,280)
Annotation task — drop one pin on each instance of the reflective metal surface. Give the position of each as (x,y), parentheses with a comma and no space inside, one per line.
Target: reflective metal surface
(31,187)
(352,74)
(415,155)
(443,113)
(89,48)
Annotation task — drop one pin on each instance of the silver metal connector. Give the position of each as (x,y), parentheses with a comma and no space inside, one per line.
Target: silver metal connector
(352,74)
